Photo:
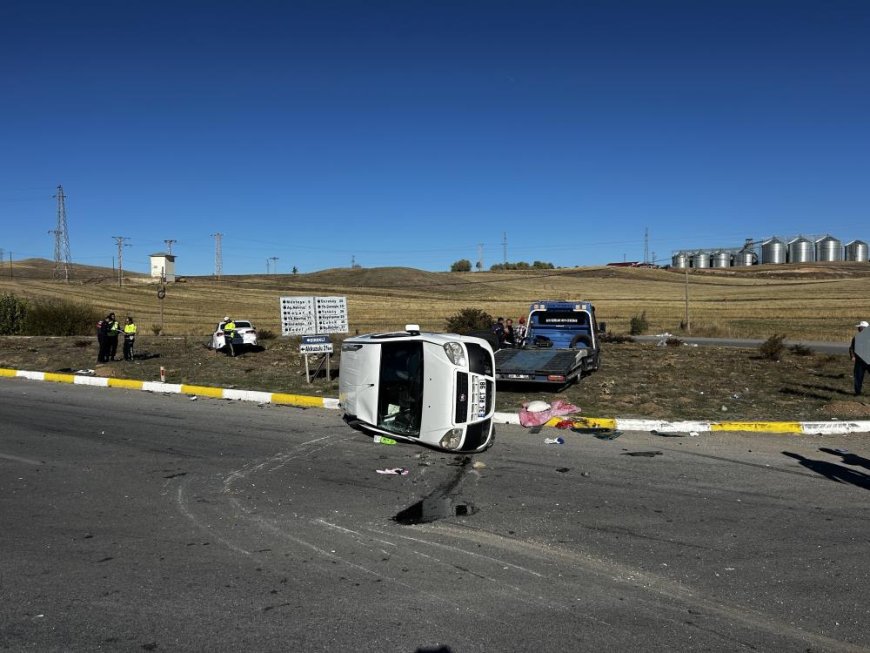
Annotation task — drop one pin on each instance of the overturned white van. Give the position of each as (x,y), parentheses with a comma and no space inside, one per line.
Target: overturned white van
(436,389)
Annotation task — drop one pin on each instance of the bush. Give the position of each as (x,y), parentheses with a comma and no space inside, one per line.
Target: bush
(59,317)
(156,329)
(468,320)
(12,313)
(638,325)
(800,350)
(462,265)
(772,348)
(265,334)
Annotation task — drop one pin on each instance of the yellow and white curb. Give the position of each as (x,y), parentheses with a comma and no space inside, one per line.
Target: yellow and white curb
(781,428)
(833,427)
(177,388)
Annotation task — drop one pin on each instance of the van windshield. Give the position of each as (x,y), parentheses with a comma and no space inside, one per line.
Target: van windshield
(400,395)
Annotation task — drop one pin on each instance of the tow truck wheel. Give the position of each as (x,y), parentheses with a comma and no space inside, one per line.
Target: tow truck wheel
(581,338)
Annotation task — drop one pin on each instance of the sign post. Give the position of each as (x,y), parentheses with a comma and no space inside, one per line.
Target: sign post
(314,318)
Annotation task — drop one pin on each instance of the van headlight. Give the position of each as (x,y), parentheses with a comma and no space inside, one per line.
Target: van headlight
(452,439)
(456,354)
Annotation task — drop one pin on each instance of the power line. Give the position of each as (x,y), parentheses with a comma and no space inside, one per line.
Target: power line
(120,240)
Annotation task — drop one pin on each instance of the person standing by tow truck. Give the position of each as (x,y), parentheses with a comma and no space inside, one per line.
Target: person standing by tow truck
(106,349)
(129,338)
(861,366)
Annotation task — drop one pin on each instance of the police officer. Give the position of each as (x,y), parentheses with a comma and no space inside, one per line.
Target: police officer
(105,347)
(112,337)
(229,333)
(129,338)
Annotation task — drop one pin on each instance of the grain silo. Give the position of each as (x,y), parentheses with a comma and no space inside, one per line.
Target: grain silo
(773,251)
(721,259)
(800,250)
(856,251)
(829,249)
(680,260)
(701,259)
(745,258)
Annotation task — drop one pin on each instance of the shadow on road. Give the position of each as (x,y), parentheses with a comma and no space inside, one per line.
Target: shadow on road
(832,471)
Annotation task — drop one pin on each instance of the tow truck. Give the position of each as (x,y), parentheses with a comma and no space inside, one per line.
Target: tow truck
(562,343)
(435,389)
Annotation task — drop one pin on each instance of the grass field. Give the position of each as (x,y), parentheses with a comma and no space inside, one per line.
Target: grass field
(636,380)
(809,302)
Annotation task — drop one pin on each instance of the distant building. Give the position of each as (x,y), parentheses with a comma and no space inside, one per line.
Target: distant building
(163,266)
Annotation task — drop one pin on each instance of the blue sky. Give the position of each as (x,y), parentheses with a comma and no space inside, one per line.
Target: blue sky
(417,133)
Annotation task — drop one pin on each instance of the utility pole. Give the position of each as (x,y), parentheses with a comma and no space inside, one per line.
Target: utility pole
(120,240)
(504,247)
(688,322)
(274,260)
(61,239)
(218,256)
(646,245)
(479,257)
(169,245)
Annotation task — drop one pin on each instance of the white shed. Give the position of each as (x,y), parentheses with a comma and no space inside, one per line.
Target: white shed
(163,266)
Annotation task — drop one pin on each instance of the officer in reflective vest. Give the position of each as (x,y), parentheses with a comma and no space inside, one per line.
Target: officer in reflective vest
(129,338)
(229,333)
(112,337)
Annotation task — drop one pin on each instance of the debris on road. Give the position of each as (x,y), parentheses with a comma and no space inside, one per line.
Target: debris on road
(380,439)
(394,471)
(643,454)
(537,413)
(668,434)
(554,440)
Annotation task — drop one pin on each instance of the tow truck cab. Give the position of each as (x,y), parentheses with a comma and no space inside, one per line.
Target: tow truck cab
(431,388)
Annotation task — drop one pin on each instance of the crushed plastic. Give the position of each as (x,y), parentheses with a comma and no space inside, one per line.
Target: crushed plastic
(380,439)
(394,471)
(559,440)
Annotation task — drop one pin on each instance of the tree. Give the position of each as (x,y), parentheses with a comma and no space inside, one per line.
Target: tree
(462,265)
(468,320)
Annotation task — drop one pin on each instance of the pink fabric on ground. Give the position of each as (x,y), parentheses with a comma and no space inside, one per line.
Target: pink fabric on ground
(557,408)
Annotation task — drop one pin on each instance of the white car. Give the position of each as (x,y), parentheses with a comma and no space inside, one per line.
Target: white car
(436,389)
(244,336)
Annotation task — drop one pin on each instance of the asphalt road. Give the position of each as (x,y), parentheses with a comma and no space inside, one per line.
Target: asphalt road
(132,521)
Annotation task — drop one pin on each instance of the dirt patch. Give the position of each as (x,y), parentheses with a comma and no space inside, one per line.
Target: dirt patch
(847,409)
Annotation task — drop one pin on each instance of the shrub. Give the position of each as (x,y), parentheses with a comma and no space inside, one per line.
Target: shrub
(800,350)
(156,329)
(265,334)
(673,342)
(468,320)
(772,348)
(12,313)
(59,317)
(462,265)
(638,325)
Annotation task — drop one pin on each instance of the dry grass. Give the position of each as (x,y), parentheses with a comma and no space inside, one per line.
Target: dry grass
(809,302)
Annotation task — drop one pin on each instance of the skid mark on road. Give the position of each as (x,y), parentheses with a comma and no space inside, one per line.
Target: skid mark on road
(19,459)
(642,581)
(183,504)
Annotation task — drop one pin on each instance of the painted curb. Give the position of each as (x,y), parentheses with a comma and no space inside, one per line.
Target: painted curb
(304,401)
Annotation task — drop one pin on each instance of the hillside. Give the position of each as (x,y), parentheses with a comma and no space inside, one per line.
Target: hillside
(814,301)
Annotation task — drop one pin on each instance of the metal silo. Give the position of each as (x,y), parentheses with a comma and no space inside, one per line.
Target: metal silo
(701,260)
(856,251)
(829,249)
(721,259)
(773,251)
(745,258)
(680,260)
(800,250)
